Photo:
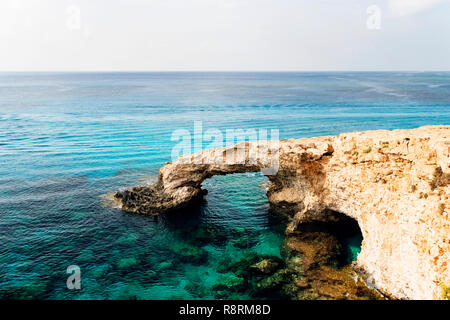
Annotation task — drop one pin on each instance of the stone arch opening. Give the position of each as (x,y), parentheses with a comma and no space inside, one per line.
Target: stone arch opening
(238,202)
(234,207)
(334,231)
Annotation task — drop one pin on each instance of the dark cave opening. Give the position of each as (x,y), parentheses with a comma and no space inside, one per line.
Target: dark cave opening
(344,229)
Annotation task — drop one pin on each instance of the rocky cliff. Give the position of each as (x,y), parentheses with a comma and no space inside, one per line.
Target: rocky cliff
(395,184)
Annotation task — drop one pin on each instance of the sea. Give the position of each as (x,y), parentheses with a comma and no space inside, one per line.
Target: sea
(68,140)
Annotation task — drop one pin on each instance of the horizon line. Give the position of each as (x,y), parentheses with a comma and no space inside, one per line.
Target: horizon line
(212,71)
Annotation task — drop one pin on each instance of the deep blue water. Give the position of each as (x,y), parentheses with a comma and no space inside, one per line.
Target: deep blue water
(67,139)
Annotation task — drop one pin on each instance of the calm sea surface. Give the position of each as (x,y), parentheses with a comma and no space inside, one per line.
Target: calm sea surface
(67,139)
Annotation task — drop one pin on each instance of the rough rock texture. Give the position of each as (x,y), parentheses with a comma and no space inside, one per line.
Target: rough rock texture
(394,183)
(266,266)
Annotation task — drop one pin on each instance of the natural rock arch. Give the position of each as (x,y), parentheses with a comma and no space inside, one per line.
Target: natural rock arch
(393,183)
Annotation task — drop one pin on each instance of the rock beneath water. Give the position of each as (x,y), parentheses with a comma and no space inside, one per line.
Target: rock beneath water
(395,184)
(312,264)
(245,242)
(204,234)
(30,290)
(196,289)
(127,263)
(151,275)
(266,266)
(99,271)
(316,248)
(189,253)
(259,276)
(87,255)
(164,265)
(128,239)
(244,267)
(327,283)
(229,282)
(239,230)
(273,284)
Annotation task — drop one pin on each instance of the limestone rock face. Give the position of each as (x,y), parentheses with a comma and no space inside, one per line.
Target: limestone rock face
(395,184)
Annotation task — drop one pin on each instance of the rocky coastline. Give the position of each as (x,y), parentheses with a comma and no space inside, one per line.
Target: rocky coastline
(393,184)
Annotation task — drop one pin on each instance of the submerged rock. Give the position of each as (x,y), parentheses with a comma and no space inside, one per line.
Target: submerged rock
(197,289)
(255,275)
(189,253)
(245,242)
(99,271)
(152,275)
(128,239)
(204,234)
(229,281)
(165,265)
(87,255)
(328,283)
(316,248)
(313,265)
(248,266)
(266,266)
(127,262)
(30,290)
(273,284)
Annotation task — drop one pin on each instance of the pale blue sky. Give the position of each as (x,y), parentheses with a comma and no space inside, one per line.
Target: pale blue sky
(253,35)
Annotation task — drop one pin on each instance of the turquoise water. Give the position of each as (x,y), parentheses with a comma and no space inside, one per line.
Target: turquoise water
(66,140)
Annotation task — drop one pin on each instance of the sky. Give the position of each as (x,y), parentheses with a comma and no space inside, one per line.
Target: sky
(224,35)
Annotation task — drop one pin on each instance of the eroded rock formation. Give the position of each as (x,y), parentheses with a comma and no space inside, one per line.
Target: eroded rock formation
(395,184)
